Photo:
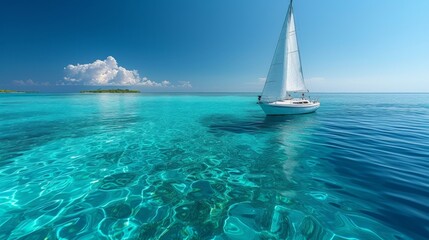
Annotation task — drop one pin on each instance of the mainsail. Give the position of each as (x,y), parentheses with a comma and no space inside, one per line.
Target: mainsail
(285,74)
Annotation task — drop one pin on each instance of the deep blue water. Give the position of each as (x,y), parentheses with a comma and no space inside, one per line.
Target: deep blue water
(212,166)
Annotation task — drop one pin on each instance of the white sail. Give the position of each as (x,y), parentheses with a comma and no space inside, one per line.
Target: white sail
(275,85)
(295,78)
(285,74)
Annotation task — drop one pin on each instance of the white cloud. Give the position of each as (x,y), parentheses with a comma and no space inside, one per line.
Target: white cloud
(106,72)
(165,83)
(184,84)
(30,82)
(255,84)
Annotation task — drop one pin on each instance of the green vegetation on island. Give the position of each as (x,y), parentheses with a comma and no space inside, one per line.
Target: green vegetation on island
(14,91)
(110,91)
(6,91)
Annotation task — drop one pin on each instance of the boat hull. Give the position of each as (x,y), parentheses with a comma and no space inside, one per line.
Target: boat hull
(289,109)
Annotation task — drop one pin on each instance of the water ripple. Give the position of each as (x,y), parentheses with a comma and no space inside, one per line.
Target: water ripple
(212,167)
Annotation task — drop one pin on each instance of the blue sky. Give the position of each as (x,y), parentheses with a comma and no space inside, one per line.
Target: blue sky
(223,45)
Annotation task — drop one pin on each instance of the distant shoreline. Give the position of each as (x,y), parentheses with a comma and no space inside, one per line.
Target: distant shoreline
(15,91)
(110,91)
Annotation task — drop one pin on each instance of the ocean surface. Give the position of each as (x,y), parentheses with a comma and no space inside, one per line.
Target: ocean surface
(212,166)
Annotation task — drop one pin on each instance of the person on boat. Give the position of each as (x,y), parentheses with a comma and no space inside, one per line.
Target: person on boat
(302,95)
(259,98)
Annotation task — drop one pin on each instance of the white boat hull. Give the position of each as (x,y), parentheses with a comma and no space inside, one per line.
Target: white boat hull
(288,108)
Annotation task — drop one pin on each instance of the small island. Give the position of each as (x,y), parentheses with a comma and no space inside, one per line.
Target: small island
(110,91)
(14,91)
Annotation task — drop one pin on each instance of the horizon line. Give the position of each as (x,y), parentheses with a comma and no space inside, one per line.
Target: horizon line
(196,92)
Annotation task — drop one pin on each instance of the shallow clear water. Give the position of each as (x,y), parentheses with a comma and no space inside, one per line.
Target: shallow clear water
(212,166)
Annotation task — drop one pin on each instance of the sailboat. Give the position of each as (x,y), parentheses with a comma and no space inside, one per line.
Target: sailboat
(285,78)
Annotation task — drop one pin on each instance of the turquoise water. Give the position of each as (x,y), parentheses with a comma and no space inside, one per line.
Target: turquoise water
(212,166)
